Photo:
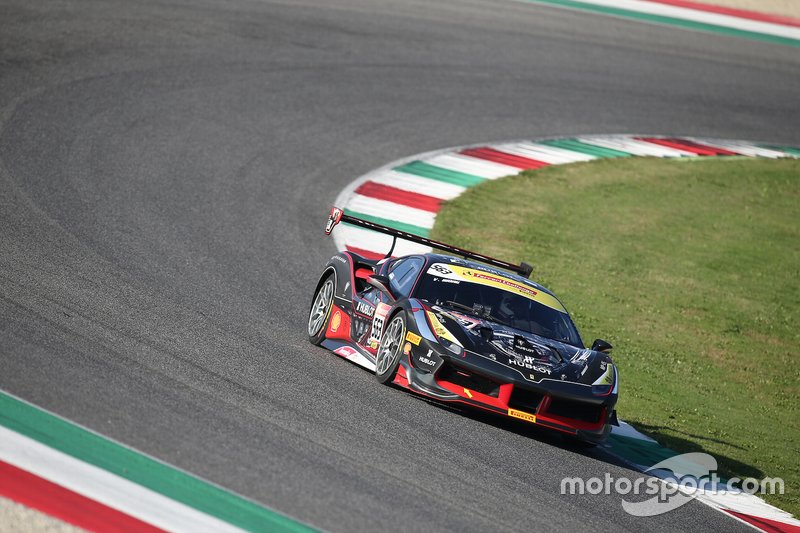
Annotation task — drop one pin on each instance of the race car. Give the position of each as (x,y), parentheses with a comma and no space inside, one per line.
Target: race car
(464,328)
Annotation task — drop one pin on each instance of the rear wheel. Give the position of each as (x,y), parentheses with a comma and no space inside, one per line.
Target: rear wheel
(320,311)
(391,349)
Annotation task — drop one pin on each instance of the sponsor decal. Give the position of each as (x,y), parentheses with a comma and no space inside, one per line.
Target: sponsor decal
(445,280)
(365,308)
(524,347)
(439,268)
(480,277)
(338,258)
(503,281)
(440,330)
(530,363)
(522,415)
(336,321)
(377,324)
(345,351)
(427,359)
(467,392)
(413,339)
(377,329)
(407,348)
(521,361)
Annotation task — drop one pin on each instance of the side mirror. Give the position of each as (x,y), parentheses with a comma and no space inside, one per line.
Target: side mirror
(599,345)
(380,282)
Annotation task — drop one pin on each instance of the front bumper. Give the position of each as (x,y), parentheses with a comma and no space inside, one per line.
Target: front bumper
(478,382)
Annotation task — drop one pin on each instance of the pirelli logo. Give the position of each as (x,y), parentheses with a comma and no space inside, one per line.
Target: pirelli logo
(413,339)
(522,415)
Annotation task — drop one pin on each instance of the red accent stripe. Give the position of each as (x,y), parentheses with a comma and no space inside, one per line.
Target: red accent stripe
(399,196)
(401,378)
(496,156)
(688,146)
(365,253)
(364,273)
(55,500)
(740,13)
(765,524)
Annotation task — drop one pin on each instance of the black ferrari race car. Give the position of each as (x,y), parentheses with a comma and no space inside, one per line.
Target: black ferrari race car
(469,329)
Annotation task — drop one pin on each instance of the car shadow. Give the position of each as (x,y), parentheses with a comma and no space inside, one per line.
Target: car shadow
(666,437)
(677,440)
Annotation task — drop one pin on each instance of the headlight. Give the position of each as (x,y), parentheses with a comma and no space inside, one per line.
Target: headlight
(603,385)
(453,347)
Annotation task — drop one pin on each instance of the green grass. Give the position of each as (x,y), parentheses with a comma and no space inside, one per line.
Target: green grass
(691,269)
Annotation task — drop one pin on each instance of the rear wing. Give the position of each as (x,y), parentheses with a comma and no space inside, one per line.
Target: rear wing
(337,215)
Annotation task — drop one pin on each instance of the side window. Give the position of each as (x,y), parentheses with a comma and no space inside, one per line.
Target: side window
(403,274)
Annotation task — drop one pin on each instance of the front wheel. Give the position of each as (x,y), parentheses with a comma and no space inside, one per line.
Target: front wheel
(320,311)
(391,349)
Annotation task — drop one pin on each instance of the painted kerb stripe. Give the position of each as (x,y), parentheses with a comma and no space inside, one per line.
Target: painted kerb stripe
(91,448)
(671,21)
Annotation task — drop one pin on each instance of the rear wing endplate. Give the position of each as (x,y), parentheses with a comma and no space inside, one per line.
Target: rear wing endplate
(338,215)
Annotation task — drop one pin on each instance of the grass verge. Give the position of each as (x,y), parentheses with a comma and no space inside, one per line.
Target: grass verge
(691,268)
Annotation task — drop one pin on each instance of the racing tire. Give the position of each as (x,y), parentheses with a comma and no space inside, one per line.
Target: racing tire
(390,350)
(320,312)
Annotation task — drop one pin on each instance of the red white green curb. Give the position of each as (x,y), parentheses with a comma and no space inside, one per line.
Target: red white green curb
(692,15)
(90,481)
(407,194)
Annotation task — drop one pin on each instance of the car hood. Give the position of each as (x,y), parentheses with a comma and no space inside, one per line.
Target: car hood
(534,356)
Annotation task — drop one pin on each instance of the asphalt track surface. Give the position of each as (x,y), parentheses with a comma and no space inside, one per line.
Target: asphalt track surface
(166,168)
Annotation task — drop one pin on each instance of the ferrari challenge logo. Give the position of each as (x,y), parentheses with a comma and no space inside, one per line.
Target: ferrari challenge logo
(461,274)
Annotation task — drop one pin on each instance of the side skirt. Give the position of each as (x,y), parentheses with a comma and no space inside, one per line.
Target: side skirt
(351,352)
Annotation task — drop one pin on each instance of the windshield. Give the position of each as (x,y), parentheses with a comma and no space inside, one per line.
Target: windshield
(497,299)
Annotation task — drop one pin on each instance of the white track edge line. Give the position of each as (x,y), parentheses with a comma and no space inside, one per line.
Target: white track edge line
(143,454)
(103,486)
